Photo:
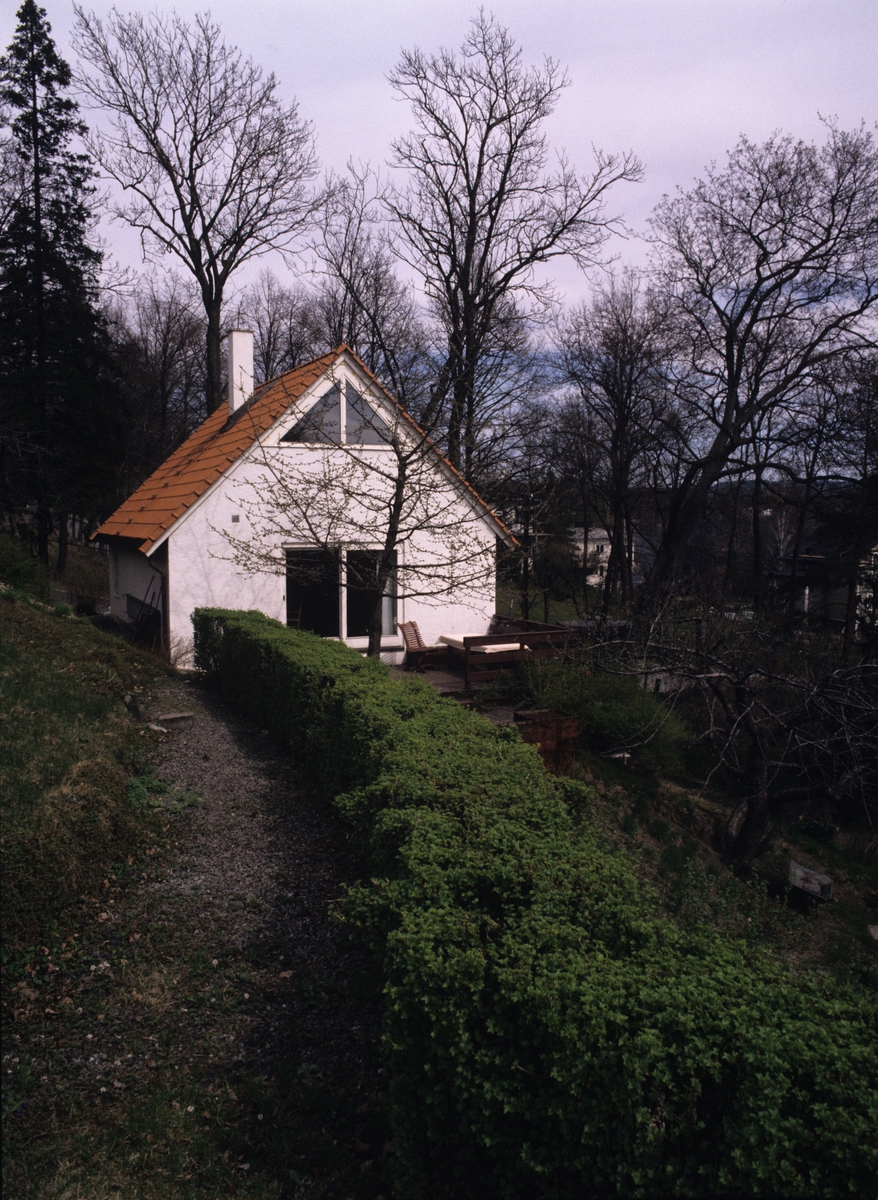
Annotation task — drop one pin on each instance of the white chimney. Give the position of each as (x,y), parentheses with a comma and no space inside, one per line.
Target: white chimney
(240,368)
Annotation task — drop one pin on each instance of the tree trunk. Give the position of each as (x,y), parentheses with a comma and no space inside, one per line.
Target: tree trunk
(757,540)
(61,564)
(213,310)
(44,528)
(797,548)
(747,826)
(376,628)
(850,617)
(628,589)
(685,511)
(524,591)
(730,547)
(690,502)
(388,555)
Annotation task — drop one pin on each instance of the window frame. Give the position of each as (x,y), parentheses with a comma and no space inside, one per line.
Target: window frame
(365,398)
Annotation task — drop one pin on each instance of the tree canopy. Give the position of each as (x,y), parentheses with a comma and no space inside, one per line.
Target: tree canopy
(60,404)
(218,168)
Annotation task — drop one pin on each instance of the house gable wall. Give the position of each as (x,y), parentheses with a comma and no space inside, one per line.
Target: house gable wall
(201,562)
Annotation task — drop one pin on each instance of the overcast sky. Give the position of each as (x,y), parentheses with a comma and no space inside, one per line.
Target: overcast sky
(676,81)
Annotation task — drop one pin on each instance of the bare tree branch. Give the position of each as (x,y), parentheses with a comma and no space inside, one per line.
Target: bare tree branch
(217,167)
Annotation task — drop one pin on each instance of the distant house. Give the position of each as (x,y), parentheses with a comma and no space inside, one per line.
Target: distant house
(594,544)
(278,503)
(820,590)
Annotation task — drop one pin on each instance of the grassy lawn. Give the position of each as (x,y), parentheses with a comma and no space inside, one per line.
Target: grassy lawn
(68,746)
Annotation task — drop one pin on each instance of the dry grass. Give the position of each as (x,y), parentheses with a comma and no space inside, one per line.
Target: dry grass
(67,748)
(672,831)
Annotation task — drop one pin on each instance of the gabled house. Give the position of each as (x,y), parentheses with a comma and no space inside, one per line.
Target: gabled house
(593,547)
(279,502)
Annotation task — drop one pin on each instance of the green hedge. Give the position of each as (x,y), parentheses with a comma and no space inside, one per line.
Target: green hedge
(548,1034)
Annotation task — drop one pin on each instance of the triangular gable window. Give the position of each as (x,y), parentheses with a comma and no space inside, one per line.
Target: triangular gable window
(363,426)
(321,423)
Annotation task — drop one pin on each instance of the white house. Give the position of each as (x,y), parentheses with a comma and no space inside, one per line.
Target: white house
(594,545)
(279,501)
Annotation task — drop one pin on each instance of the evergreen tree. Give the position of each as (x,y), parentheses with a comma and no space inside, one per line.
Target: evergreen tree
(59,404)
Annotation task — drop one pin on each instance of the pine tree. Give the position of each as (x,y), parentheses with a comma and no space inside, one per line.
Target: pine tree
(59,404)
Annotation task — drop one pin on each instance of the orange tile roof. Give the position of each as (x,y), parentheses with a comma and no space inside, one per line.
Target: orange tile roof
(217,443)
(205,455)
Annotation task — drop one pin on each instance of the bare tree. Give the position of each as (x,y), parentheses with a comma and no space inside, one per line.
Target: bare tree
(796,727)
(771,267)
(286,323)
(160,338)
(218,167)
(481,209)
(616,351)
(849,505)
(362,302)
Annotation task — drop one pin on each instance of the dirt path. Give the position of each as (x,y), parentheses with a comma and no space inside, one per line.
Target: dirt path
(220,1032)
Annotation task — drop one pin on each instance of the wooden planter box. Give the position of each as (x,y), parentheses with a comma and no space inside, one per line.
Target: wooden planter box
(555,733)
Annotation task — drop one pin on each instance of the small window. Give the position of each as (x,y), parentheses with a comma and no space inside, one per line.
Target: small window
(363,426)
(321,425)
(235,518)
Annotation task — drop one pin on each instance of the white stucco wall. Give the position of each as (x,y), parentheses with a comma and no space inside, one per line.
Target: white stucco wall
(268,491)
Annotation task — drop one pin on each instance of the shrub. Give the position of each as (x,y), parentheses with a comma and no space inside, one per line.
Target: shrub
(548,1034)
(616,713)
(19,569)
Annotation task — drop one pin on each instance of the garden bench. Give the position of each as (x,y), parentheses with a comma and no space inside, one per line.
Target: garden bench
(488,655)
(418,655)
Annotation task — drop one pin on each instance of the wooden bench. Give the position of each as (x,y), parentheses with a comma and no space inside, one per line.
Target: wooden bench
(489,655)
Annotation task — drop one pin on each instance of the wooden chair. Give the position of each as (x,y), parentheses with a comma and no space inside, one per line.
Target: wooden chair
(418,655)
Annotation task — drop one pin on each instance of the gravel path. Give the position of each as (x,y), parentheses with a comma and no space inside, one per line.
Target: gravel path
(260,864)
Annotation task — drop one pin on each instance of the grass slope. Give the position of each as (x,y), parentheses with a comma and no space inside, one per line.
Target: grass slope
(68,747)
